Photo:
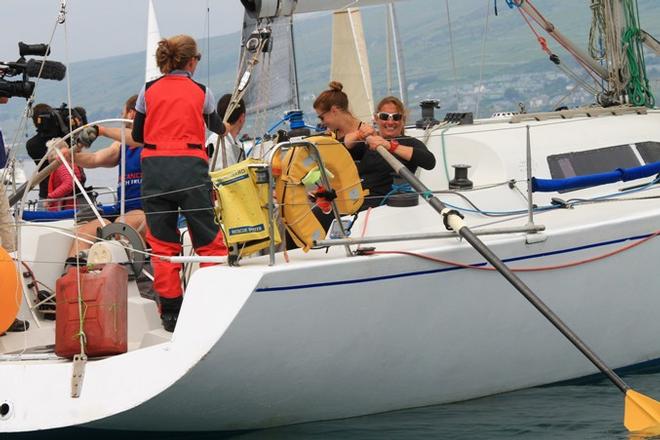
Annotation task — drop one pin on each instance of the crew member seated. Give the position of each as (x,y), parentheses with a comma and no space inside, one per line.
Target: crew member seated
(376,174)
(110,157)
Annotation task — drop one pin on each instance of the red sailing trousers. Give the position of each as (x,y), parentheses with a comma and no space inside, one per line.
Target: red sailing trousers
(171,185)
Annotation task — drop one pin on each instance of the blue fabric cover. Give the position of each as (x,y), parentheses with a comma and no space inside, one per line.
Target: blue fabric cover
(620,174)
(47,216)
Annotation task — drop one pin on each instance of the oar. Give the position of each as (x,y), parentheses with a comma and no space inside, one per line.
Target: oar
(641,413)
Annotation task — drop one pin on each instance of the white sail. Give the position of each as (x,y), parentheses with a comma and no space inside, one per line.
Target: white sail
(350,64)
(153,36)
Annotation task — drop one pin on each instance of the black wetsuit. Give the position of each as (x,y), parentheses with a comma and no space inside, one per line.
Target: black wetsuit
(377,175)
(36,148)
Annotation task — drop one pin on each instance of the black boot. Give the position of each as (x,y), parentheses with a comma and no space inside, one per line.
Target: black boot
(169,312)
(73,262)
(18,326)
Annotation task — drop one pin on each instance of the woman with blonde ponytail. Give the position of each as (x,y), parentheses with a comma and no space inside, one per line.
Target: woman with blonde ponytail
(172,112)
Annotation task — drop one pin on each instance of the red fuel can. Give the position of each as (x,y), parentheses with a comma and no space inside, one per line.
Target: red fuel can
(104,311)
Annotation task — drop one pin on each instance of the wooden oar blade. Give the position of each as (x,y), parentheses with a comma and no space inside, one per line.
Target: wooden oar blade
(641,414)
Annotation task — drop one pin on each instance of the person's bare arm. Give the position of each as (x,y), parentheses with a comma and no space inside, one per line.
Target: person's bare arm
(353,138)
(114,133)
(107,157)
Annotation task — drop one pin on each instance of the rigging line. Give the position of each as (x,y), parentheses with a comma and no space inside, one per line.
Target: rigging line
(544,45)
(483,266)
(81,315)
(483,57)
(208,43)
(453,57)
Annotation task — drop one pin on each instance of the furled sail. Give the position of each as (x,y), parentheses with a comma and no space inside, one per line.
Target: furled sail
(153,37)
(350,64)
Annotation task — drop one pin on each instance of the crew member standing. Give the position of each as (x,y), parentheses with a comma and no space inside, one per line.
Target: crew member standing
(171,113)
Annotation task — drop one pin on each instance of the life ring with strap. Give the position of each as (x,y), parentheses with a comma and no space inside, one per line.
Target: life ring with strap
(10,291)
(298,187)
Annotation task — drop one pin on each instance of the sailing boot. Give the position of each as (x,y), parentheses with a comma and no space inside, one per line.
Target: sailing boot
(169,312)
(17,326)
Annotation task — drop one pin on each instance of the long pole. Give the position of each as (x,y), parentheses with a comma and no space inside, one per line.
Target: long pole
(454,221)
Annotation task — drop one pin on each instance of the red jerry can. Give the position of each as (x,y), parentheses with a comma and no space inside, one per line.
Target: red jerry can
(104,311)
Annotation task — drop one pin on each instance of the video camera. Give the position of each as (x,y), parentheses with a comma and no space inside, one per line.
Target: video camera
(28,68)
(56,122)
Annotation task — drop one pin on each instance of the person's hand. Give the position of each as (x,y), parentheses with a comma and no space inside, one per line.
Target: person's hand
(374,141)
(59,144)
(366,130)
(87,136)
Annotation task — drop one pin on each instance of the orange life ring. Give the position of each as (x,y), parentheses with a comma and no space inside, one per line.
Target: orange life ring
(293,194)
(10,291)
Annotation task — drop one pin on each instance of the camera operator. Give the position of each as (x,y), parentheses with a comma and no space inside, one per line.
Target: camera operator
(36,145)
(51,123)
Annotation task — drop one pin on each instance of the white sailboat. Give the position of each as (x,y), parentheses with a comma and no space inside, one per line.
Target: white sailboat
(418,321)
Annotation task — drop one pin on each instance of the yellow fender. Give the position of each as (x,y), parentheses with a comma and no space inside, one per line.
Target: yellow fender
(10,291)
(295,205)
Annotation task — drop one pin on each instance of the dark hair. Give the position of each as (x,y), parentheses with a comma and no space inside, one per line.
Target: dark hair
(38,110)
(131,102)
(223,103)
(332,97)
(175,52)
(81,113)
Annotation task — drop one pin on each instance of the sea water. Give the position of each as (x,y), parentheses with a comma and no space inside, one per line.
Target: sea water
(588,411)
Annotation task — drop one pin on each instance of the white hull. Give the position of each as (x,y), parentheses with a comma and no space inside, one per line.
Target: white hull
(327,336)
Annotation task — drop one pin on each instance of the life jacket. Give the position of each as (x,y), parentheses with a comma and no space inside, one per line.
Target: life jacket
(298,188)
(174,124)
(133,180)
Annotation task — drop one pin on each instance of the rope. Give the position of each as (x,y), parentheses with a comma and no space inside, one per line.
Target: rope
(82,309)
(483,53)
(453,57)
(638,88)
(543,42)
(482,266)
(397,188)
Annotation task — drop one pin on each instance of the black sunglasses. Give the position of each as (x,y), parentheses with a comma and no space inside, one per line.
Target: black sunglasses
(384,116)
(198,57)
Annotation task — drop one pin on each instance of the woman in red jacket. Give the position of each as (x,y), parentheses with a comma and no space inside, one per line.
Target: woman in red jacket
(173,112)
(60,187)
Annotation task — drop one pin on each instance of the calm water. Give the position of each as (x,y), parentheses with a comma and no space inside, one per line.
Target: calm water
(593,411)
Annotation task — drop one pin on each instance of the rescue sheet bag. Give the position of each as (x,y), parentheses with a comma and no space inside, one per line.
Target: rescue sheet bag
(243,207)
(295,191)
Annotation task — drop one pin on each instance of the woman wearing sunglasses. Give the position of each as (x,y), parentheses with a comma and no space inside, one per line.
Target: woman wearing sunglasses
(377,175)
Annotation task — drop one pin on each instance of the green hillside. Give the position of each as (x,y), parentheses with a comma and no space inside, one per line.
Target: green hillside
(514,68)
